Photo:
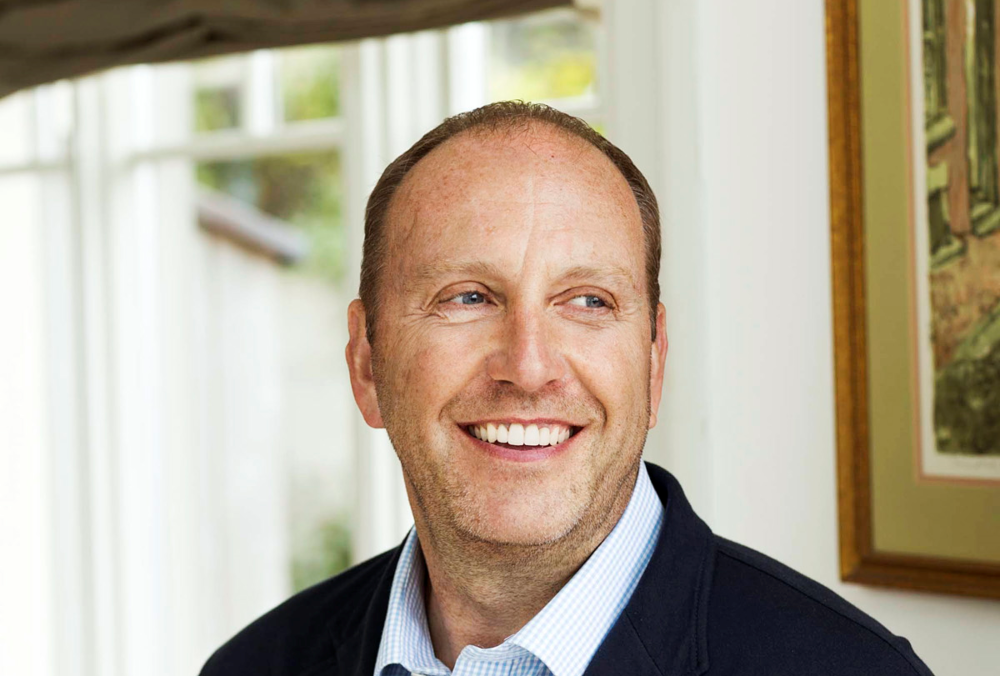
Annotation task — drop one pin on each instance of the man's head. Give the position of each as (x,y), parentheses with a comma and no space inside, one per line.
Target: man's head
(510,280)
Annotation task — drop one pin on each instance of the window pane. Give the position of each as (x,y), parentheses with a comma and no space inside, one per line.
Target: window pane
(318,428)
(218,93)
(551,55)
(55,105)
(303,189)
(310,82)
(15,129)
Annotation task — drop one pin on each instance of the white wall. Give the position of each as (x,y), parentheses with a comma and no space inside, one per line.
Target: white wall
(748,420)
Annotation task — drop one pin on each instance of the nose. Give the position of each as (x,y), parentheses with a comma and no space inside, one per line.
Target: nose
(526,356)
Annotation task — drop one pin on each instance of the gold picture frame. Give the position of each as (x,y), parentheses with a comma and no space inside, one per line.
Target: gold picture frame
(889,509)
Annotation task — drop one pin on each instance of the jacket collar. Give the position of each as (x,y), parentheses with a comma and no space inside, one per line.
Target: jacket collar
(663,630)
(357,653)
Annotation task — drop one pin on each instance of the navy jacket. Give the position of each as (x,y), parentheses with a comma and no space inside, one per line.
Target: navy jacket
(704,605)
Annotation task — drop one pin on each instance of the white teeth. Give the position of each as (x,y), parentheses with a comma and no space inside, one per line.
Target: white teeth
(515,436)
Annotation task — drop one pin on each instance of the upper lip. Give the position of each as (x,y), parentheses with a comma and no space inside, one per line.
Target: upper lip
(523,421)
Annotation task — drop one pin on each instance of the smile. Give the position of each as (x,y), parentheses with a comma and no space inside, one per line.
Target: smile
(517,434)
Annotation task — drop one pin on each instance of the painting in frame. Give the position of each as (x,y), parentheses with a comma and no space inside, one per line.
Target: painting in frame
(914,127)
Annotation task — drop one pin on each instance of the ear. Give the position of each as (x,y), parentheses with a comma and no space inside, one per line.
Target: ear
(359,363)
(657,360)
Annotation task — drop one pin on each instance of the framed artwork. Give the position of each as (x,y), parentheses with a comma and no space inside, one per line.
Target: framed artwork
(914,127)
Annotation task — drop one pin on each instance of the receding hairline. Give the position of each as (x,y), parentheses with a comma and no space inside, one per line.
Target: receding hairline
(508,130)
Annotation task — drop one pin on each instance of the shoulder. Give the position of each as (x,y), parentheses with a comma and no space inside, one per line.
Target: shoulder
(764,617)
(301,635)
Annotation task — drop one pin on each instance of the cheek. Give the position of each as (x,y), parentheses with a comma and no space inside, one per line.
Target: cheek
(614,367)
(434,363)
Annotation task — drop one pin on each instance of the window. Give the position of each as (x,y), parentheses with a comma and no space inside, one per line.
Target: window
(286,164)
(187,239)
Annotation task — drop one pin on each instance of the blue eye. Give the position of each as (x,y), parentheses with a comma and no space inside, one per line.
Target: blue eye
(588,301)
(470,298)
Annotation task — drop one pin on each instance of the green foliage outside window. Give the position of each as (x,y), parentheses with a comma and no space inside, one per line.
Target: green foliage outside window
(216,109)
(218,93)
(321,553)
(535,60)
(309,82)
(303,189)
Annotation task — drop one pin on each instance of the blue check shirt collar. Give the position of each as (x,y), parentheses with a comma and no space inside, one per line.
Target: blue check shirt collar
(562,638)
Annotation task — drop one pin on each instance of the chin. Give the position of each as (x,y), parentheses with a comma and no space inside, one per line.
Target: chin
(518,517)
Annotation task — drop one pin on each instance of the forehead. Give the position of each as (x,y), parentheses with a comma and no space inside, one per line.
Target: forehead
(515,191)
(498,165)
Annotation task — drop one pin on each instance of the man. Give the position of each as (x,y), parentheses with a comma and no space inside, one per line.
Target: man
(510,339)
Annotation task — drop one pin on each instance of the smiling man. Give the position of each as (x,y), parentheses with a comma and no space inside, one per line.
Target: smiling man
(510,339)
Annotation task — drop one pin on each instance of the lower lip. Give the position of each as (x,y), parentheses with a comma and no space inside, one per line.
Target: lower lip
(521,453)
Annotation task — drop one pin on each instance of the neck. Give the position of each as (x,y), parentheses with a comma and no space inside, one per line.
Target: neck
(479,593)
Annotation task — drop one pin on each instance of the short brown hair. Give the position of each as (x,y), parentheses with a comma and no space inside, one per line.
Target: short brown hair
(500,116)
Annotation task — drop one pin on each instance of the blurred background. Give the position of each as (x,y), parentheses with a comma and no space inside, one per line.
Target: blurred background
(179,447)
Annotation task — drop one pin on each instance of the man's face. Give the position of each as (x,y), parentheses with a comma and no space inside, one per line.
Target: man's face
(514,296)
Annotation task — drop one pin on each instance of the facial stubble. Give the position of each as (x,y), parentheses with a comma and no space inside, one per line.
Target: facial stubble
(447,510)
